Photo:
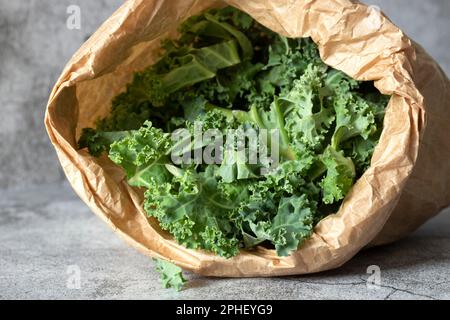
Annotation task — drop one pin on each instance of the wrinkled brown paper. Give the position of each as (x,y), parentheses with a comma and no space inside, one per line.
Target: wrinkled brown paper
(407,183)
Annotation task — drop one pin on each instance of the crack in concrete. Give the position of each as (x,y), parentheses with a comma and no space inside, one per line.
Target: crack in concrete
(363,282)
(395,289)
(390,294)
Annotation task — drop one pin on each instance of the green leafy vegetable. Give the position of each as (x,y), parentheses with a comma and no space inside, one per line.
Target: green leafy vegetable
(225,71)
(171,275)
(339,177)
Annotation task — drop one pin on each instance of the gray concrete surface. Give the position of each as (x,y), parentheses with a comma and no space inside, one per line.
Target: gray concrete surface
(35,44)
(46,231)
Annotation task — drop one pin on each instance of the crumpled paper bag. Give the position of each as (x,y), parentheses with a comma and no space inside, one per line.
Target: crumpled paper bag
(407,183)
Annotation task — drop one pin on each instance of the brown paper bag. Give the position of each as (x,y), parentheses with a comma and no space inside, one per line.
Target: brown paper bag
(407,183)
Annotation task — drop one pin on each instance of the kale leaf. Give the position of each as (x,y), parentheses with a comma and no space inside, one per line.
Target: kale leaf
(171,275)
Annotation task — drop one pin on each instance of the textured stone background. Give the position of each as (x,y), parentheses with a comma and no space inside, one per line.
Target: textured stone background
(35,44)
(47,233)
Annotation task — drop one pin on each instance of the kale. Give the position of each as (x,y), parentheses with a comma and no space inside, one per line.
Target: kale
(226,71)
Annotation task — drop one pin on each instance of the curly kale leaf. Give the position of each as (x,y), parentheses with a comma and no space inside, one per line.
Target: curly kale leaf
(194,66)
(307,117)
(292,224)
(340,174)
(143,155)
(98,142)
(171,275)
(192,208)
